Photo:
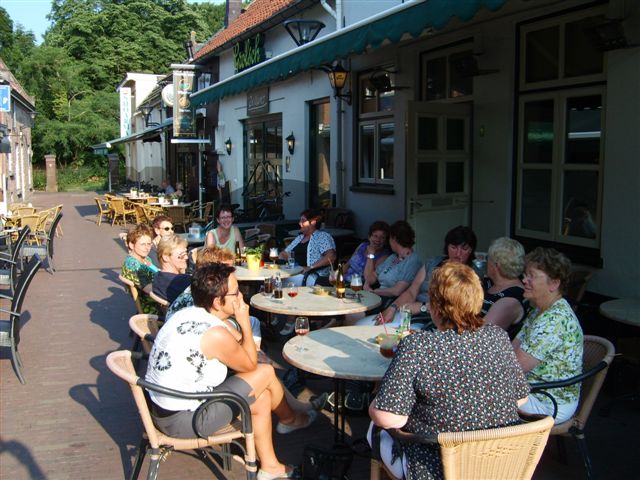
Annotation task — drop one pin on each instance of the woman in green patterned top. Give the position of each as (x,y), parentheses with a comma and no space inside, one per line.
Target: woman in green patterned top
(549,346)
(138,267)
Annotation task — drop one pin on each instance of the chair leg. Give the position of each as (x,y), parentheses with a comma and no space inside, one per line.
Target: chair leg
(17,362)
(154,465)
(137,464)
(582,448)
(375,469)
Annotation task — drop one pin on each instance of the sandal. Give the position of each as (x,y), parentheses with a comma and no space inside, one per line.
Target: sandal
(284,428)
(290,472)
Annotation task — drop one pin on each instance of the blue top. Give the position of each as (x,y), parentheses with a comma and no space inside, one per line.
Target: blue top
(359,260)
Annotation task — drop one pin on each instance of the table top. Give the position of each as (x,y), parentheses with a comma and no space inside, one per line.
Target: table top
(623,310)
(334,232)
(348,353)
(193,239)
(243,274)
(170,204)
(308,303)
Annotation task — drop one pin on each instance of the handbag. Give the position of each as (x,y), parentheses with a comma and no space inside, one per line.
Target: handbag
(321,463)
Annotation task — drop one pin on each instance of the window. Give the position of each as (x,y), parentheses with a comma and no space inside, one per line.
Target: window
(376,127)
(560,159)
(447,74)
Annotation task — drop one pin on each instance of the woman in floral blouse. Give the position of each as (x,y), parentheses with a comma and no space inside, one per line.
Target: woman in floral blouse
(463,376)
(549,346)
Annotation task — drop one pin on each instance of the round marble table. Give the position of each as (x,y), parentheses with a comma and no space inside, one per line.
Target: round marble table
(341,353)
(243,274)
(623,310)
(308,303)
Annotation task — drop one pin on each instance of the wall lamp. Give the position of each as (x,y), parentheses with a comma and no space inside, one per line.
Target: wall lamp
(228,145)
(146,111)
(303,31)
(5,142)
(338,77)
(291,143)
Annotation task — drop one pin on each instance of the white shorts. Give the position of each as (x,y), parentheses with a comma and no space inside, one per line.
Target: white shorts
(565,410)
(399,467)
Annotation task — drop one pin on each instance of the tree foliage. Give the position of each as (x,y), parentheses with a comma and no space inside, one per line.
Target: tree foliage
(86,53)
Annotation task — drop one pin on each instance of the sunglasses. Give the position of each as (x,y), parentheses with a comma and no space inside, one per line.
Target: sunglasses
(166,229)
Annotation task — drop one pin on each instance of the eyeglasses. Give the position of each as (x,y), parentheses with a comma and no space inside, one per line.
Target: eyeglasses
(233,294)
(226,217)
(166,229)
(182,255)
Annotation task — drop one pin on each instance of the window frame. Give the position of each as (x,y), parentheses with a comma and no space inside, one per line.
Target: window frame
(447,52)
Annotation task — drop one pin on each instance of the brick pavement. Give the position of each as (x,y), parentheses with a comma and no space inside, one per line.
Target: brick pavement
(73,419)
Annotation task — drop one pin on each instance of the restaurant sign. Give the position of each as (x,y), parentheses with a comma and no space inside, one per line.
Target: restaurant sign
(248,53)
(184,122)
(258,102)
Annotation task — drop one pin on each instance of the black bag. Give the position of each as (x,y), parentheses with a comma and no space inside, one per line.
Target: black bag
(321,463)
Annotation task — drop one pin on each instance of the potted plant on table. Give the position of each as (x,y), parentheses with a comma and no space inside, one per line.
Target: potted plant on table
(254,256)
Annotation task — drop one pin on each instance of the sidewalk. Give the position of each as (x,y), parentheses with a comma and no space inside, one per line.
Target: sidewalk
(74,419)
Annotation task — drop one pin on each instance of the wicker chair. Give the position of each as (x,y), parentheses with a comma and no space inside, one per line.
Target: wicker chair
(239,433)
(498,453)
(24,211)
(103,210)
(133,291)
(10,327)
(164,304)
(207,212)
(145,326)
(598,355)
(120,211)
(45,246)
(178,216)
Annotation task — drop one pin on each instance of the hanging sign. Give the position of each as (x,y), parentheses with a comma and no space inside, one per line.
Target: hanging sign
(184,122)
(5,98)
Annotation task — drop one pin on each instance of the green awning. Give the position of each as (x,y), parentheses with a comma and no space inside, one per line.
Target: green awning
(147,133)
(409,18)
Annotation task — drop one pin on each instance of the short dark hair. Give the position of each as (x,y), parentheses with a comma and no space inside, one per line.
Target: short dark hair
(209,282)
(225,207)
(459,236)
(312,214)
(555,264)
(378,225)
(157,221)
(402,233)
(138,231)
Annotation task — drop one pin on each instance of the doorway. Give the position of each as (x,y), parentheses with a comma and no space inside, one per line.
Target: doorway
(263,164)
(438,172)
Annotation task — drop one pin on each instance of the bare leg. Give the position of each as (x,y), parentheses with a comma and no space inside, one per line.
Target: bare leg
(261,418)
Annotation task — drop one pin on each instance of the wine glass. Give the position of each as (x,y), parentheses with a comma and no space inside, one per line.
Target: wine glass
(273,254)
(332,277)
(243,255)
(356,285)
(302,329)
(292,290)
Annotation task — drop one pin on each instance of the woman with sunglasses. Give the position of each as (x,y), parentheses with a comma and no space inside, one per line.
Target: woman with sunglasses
(226,234)
(171,280)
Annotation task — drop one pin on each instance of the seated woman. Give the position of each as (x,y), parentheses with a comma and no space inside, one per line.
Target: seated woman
(463,376)
(375,245)
(138,267)
(459,246)
(504,304)
(549,346)
(195,351)
(226,235)
(163,228)
(171,280)
(312,248)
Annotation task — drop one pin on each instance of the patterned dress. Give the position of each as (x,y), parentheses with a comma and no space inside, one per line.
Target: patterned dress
(446,382)
(319,244)
(555,338)
(141,275)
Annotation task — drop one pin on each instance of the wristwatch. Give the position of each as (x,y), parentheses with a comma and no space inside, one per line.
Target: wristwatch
(371,256)
(394,306)
(423,307)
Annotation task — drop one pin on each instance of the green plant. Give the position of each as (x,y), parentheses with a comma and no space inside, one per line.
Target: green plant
(257,250)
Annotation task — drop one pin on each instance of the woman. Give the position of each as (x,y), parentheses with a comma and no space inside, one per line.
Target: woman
(504,304)
(459,246)
(312,248)
(375,245)
(195,351)
(171,280)
(549,346)
(226,234)
(138,267)
(162,227)
(463,376)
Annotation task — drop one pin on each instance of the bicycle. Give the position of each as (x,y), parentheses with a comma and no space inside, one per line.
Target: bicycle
(264,203)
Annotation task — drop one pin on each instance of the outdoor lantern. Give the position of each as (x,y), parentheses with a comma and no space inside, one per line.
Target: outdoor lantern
(228,145)
(291,143)
(146,111)
(303,31)
(5,145)
(338,77)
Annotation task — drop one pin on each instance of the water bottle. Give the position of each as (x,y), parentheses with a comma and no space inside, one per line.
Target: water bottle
(277,286)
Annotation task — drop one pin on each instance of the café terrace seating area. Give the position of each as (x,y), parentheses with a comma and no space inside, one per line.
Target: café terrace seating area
(75,415)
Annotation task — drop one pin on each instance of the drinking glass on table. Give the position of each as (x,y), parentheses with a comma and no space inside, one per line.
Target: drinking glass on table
(301,328)
(291,262)
(356,284)
(292,290)
(273,254)
(332,277)
(243,255)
